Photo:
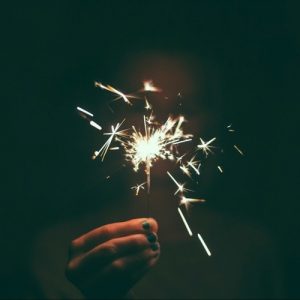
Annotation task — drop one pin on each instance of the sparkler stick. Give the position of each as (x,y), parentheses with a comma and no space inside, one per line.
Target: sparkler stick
(185,222)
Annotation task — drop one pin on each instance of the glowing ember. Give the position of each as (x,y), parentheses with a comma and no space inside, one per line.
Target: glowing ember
(149,87)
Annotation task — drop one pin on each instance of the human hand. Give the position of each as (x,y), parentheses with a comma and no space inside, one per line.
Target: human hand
(107,261)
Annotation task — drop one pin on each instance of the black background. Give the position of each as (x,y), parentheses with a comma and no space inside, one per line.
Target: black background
(53,54)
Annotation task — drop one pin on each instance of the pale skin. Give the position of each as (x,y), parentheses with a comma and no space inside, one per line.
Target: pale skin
(107,261)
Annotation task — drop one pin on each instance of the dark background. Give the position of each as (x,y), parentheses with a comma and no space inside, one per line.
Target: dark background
(53,54)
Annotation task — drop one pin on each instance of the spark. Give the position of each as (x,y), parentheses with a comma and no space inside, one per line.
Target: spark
(185,170)
(179,159)
(205,146)
(181,187)
(114,132)
(238,149)
(204,245)
(187,201)
(84,111)
(220,169)
(138,187)
(147,105)
(114,148)
(149,87)
(185,222)
(119,94)
(94,124)
(157,141)
(193,165)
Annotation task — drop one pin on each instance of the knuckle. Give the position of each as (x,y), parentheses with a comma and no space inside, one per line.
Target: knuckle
(108,250)
(118,265)
(70,270)
(105,231)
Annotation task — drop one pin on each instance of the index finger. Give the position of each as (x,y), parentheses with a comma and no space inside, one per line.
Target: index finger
(110,231)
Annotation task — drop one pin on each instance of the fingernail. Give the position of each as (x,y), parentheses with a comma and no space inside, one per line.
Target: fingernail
(151,238)
(146,225)
(154,247)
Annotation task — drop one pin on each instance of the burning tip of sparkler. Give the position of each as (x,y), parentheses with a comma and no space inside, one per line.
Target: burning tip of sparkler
(149,87)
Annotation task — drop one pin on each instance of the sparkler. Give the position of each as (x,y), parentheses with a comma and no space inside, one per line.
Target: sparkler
(143,148)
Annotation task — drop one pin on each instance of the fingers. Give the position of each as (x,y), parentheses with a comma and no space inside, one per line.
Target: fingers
(124,271)
(112,250)
(111,231)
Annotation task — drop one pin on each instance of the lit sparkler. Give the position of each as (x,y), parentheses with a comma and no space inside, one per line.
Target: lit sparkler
(156,141)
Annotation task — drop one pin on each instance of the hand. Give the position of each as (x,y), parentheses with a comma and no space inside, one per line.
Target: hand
(107,261)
